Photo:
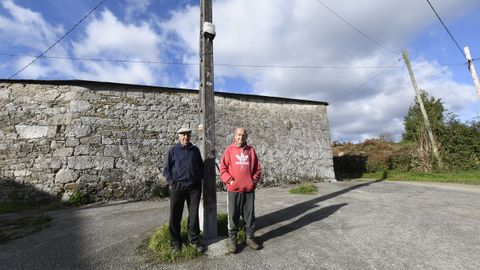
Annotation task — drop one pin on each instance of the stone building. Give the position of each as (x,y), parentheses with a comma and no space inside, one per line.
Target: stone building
(109,139)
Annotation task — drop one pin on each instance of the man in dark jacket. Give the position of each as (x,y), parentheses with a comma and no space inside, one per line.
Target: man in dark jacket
(183,171)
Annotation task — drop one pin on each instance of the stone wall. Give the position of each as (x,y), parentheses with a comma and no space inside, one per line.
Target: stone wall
(109,140)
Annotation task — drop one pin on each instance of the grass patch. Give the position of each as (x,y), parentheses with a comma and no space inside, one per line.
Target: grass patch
(10,207)
(305,188)
(159,243)
(16,228)
(471,178)
(159,249)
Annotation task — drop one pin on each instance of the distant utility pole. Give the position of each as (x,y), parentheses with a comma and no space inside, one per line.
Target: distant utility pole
(471,67)
(422,108)
(206,126)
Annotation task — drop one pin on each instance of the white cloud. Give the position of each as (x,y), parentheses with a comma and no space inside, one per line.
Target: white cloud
(305,33)
(107,36)
(364,102)
(27,28)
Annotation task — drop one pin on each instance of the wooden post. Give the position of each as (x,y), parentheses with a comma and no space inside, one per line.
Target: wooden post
(471,67)
(422,109)
(206,126)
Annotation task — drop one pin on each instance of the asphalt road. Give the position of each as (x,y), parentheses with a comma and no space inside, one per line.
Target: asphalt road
(347,225)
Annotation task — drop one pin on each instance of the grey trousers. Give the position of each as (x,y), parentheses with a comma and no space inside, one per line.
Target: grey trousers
(241,204)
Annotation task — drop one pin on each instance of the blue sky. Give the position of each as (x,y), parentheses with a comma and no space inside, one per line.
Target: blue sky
(305,50)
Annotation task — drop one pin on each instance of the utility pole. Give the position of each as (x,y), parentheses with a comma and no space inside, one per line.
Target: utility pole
(422,108)
(206,128)
(471,67)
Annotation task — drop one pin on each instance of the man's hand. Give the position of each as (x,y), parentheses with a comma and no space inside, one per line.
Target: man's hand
(230,182)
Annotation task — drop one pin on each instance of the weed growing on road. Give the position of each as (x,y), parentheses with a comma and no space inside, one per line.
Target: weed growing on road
(160,242)
(306,188)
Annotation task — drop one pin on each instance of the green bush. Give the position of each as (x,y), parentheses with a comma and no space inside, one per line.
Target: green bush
(79,198)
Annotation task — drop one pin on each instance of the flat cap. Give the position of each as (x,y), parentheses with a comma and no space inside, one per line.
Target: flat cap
(184,130)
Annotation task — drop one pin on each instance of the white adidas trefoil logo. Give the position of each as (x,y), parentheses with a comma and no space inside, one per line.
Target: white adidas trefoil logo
(242,159)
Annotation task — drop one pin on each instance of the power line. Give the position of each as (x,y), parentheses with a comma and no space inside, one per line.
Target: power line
(60,39)
(223,64)
(367,81)
(356,29)
(440,19)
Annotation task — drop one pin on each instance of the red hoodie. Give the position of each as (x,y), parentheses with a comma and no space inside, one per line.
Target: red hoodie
(240,164)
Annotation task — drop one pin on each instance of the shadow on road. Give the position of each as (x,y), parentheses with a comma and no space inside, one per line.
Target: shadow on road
(302,221)
(299,209)
(30,239)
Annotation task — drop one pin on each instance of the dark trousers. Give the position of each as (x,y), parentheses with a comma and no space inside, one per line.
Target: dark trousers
(241,204)
(178,196)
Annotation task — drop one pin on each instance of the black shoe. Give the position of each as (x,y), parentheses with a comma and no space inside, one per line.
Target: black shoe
(176,247)
(199,248)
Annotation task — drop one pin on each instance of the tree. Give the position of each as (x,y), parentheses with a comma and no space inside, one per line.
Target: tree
(459,142)
(416,131)
(414,124)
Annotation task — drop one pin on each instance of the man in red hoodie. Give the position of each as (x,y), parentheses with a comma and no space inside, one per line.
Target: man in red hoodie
(240,170)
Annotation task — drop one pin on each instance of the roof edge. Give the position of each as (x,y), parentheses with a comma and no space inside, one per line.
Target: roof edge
(150,87)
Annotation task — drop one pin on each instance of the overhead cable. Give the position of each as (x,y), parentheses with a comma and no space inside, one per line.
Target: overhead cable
(356,29)
(367,81)
(224,64)
(448,31)
(60,39)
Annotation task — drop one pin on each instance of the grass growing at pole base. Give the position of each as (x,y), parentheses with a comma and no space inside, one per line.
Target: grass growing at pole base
(305,188)
(159,244)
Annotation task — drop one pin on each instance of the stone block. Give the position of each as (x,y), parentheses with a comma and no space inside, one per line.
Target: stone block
(71,187)
(72,142)
(79,106)
(78,131)
(81,162)
(58,162)
(83,149)
(4,93)
(90,162)
(65,176)
(35,132)
(63,152)
(113,151)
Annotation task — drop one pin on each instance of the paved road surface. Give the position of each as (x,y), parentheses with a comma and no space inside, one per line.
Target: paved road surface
(347,225)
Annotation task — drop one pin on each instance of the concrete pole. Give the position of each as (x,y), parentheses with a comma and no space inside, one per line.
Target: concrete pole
(206,126)
(471,67)
(422,109)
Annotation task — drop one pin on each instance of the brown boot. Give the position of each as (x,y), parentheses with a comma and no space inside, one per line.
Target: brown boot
(252,244)
(231,246)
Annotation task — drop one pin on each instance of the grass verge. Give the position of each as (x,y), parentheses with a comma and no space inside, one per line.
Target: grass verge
(471,178)
(305,188)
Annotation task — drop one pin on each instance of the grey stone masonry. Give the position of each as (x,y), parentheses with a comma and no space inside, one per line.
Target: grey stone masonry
(110,140)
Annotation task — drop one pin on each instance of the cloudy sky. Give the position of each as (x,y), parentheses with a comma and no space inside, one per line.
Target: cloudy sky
(344,52)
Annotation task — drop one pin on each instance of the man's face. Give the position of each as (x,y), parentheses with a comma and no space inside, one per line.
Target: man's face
(240,137)
(184,138)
